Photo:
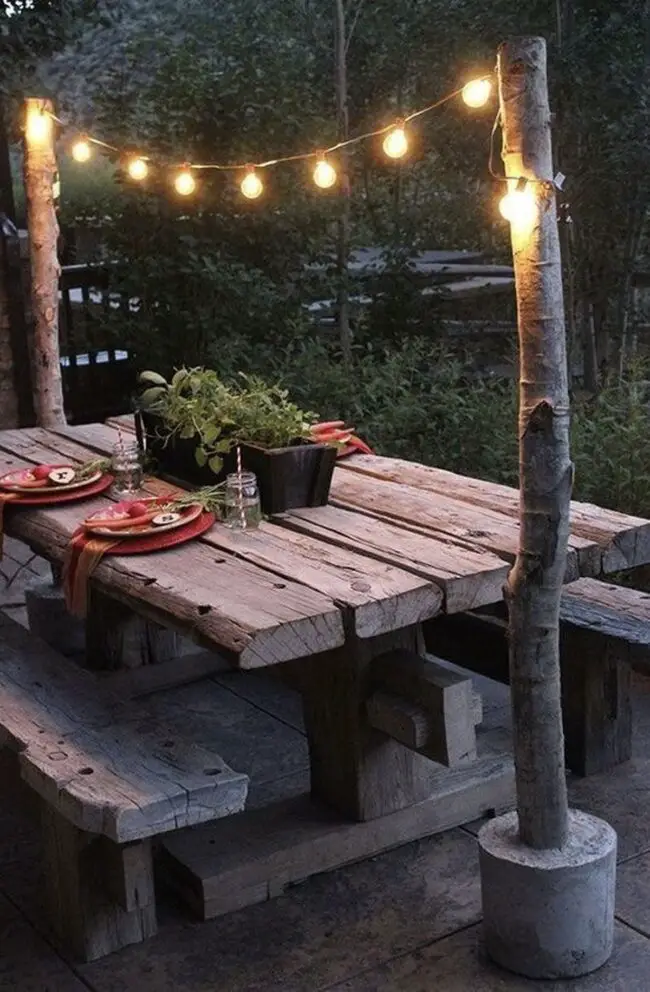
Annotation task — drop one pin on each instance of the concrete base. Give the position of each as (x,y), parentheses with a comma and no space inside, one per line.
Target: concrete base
(548,914)
(50,620)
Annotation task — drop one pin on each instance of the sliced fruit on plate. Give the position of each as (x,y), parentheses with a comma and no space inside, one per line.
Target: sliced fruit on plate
(42,471)
(162,519)
(117,517)
(61,476)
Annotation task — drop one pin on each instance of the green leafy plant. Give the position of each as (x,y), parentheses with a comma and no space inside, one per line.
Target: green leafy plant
(197,403)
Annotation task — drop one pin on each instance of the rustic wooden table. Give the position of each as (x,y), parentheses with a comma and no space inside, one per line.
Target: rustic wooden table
(330,596)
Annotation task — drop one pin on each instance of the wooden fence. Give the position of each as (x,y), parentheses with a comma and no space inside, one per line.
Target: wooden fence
(98,377)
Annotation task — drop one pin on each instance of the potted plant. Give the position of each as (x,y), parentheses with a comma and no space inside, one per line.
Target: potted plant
(195,422)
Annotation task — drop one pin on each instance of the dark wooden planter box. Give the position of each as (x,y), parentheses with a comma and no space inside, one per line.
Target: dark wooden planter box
(299,475)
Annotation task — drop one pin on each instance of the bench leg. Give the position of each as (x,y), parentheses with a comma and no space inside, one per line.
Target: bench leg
(596,700)
(116,637)
(100,895)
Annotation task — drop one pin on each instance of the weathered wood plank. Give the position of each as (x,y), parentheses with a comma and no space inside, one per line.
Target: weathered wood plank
(596,700)
(596,659)
(83,912)
(437,513)
(469,576)
(624,539)
(107,767)
(37,445)
(354,769)
(256,855)
(380,596)
(444,695)
(616,610)
(408,723)
(216,598)
(117,637)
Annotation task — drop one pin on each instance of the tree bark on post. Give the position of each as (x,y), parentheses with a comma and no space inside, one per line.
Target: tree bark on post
(39,174)
(545,469)
(545,870)
(343,238)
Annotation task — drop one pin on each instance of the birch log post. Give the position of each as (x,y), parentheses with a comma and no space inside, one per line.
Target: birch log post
(547,873)
(39,175)
(341,40)
(534,585)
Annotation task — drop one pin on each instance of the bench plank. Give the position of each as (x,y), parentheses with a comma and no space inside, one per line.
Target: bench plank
(104,765)
(604,634)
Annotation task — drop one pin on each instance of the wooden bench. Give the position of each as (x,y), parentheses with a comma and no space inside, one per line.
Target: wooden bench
(109,778)
(604,634)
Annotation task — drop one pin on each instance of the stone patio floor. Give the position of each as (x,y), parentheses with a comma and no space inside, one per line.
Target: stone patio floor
(407,921)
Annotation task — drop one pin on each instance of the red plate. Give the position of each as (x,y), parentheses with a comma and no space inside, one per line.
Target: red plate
(92,524)
(168,538)
(47,499)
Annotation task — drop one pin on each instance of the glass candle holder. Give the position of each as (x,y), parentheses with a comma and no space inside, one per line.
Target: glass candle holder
(126,468)
(242,509)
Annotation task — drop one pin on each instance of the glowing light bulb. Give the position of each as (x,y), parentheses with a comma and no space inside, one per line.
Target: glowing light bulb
(519,207)
(324,174)
(138,169)
(477,92)
(38,126)
(81,150)
(185,183)
(251,185)
(396,143)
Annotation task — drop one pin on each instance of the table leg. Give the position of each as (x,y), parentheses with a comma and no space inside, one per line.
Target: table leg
(369,794)
(117,637)
(355,769)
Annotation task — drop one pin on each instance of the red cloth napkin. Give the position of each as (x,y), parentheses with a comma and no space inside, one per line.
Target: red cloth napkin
(85,552)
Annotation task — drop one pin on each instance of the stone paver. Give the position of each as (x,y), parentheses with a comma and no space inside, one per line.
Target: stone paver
(318,933)
(27,963)
(457,964)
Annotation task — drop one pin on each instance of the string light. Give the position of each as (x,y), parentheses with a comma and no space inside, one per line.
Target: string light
(519,205)
(477,92)
(38,126)
(81,150)
(251,185)
(396,143)
(138,169)
(324,174)
(184,182)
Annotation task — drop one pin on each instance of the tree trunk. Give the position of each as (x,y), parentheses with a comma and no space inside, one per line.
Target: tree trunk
(40,170)
(8,396)
(545,470)
(7,204)
(343,239)
(590,359)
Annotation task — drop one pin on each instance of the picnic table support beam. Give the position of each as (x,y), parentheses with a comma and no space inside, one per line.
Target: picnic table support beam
(117,637)
(355,769)
(39,175)
(544,869)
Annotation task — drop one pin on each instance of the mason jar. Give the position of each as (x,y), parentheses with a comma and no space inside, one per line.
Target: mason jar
(242,509)
(126,468)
